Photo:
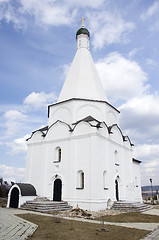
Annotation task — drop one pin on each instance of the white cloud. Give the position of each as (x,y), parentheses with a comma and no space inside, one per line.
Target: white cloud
(83,3)
(151,14)
(10,14)
(12,173)
(139,118)
(121,77)
(124,79)
(18,145)
(152,164)
(48,12)
(66,69)
(45,13)
(151,62)
(108,28)
(38,100)
(149,155)
(150,103)
(14,115)
(3,1)
(134,52)
(153,9)
(155,26)
(22,119)
(14,120)
(147,151)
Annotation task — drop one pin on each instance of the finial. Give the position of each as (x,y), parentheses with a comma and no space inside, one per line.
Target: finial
(83,22)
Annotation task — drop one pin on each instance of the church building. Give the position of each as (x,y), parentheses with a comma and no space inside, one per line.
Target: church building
(82,156)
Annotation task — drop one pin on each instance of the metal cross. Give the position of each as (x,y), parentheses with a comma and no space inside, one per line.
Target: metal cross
(83,22)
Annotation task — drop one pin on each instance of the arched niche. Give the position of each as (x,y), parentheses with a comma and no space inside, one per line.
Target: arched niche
(36,137)
(111,118)
(58,130)
(89,109)
(116,134)
(61,113)
(82,128)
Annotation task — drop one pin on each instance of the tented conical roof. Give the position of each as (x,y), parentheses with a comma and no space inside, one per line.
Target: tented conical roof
(82,81)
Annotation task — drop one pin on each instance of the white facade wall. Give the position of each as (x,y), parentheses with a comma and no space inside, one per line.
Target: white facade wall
(88,149)
(74,110)
(94,147)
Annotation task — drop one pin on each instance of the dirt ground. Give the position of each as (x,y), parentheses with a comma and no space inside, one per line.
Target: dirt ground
(130,217)
(3,202)
(59,229)
(156,207)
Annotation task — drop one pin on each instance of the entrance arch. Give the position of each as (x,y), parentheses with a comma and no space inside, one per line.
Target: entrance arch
(57,190)
(14,198)
(117,189)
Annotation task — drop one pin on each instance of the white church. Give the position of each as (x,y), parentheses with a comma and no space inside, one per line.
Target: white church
(82,156)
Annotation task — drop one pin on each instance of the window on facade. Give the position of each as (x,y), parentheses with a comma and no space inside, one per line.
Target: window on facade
(136,182)
(57,154)
(105,180)
(80,180)
(116,158)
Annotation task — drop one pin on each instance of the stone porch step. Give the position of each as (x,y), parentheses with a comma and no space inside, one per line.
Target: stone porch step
(45,206)
(126,206)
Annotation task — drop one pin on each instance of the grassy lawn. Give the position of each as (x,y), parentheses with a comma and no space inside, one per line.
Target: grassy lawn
(130,217)
(59,229)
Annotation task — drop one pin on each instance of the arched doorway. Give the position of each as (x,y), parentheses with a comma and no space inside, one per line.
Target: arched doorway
(117,189)
(14,198)
(57,190)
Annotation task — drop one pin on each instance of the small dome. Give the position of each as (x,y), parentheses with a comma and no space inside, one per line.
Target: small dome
(83,31)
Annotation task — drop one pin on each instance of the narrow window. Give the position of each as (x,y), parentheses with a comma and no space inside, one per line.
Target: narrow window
(116,158)
(105,181)
(136,182)
(57,154)
(80,180)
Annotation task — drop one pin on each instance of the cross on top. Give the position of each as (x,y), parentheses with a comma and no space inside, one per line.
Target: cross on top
(83,22)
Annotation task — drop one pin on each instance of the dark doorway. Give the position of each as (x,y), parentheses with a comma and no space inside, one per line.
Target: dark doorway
(117,190)
(57,190)
(14,198)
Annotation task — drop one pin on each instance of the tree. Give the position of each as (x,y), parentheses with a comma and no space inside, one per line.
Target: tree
(1,180)
(4,188)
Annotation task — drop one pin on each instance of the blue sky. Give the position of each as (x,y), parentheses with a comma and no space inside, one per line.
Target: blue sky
(37,46)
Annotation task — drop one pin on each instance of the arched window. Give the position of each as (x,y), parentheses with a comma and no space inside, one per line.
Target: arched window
(105,180)
(57,154)
(80,180)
